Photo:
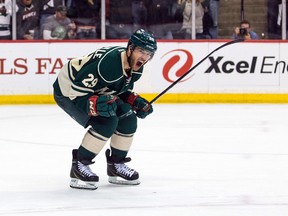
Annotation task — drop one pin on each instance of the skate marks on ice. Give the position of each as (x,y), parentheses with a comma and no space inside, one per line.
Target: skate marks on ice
(212,160)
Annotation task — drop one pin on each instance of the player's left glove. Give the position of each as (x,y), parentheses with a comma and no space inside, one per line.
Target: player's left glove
(140,105)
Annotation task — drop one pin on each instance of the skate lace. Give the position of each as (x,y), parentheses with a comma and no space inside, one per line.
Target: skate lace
(85,170)
(124,169)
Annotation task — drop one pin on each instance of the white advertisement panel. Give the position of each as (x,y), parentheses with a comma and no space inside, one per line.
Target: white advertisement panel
(249,67)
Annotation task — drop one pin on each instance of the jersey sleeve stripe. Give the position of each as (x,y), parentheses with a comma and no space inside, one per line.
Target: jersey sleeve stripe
(81,89)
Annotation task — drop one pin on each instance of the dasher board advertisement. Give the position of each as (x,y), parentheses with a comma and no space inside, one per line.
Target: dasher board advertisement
(246,67)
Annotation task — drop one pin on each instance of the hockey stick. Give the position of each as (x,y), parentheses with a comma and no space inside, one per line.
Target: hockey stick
(191,69)
(184,75)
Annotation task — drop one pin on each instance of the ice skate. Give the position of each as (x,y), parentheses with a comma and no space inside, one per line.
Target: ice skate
(120,173)
(81,175)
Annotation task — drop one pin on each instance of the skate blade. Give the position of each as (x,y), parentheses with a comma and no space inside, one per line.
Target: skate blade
(120,181)
(78,184)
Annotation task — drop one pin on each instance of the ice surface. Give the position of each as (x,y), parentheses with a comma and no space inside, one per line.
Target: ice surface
(193,159)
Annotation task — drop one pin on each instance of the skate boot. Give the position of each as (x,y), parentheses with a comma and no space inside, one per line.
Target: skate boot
(81,175)
(120,173)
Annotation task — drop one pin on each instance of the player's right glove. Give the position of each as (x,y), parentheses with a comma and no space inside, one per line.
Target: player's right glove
(102,105)
(140,105)
(123,109)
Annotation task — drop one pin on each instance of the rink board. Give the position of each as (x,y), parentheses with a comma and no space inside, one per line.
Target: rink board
(249,72)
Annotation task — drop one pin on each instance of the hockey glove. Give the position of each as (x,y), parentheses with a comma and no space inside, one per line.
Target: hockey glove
(123,109)
(103,105)
(140,105)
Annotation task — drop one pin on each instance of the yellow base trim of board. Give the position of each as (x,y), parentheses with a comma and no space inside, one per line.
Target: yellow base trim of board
(166,98)
(221,98)
(26,99)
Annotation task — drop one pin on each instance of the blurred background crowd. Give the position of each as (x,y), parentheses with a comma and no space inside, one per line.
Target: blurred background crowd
(166,19)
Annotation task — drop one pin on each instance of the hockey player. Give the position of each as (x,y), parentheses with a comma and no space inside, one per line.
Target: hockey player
(97,91)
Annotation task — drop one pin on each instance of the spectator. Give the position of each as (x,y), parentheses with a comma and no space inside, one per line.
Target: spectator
(5,19)
(59,26)
(213,12)
(177,11)
(177,18)
(139,13)
(244,31)
(273,29)
(28,18)
(274,19)
(72,7)
(86,15)
(49,9)
(207,19)
(160,17)
(187,20)
(119,22)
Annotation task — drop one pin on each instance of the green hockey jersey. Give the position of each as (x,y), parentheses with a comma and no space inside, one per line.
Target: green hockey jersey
(101,72)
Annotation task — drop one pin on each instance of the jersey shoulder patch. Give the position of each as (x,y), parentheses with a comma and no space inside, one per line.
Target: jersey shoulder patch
(110,65)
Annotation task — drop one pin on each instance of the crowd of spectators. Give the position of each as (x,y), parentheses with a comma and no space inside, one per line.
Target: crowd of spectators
(81,19)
